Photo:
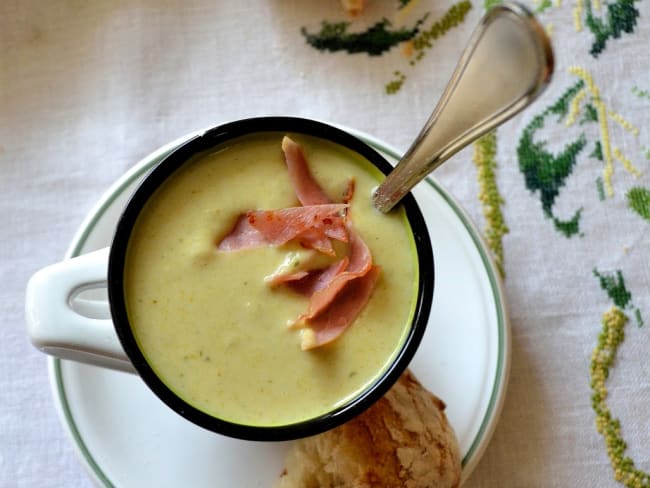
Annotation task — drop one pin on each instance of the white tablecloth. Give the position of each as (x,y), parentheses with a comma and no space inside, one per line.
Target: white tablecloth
(89,88)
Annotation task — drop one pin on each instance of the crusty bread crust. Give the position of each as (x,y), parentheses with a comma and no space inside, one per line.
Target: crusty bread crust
(403,440)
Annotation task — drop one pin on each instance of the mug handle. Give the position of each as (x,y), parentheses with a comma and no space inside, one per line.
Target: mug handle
(57,329)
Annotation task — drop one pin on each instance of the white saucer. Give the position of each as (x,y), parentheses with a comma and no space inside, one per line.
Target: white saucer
(126,437)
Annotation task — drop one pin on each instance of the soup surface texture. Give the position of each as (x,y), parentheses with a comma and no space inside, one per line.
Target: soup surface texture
(209,324)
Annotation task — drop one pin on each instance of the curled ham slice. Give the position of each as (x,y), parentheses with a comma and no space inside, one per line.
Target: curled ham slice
(312,226)
(360,262)
(334,320)
(338,292)
(307,189)
(318,279)
(242,236)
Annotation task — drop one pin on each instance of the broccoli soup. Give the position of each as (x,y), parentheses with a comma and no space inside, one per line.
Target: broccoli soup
(262,286)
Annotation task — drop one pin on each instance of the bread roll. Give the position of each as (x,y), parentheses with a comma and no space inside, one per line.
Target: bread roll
(403,440)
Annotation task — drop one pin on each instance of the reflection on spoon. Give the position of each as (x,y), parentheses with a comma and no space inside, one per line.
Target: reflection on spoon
(506,65)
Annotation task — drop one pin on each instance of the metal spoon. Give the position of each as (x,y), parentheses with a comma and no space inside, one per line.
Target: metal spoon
(506,65)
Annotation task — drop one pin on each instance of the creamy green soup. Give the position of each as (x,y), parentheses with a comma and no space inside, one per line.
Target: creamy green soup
(210,326)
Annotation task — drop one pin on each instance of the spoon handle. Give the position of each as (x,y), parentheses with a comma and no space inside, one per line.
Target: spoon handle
(506,65)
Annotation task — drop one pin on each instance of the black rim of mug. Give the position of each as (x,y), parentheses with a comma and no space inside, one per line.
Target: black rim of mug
(170,164)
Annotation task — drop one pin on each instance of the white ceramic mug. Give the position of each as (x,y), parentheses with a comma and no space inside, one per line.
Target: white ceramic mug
(61,324)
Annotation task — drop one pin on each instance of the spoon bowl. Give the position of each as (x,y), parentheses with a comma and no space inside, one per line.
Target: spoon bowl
(506,65)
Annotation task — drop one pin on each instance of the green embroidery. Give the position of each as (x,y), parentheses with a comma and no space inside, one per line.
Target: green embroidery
(396,84)
(485,160)
(646,152)
(452,18)
(590,114)
(645,94)
(488,4)
(602,359)
(547,172)
(570,227)
(638,199)
(380,38)
(614,285)
(562,106)
(609,151)
(600,189)
(543,5)
(424,41)
(597,153)
(639,319)
(334,36)
(621,17)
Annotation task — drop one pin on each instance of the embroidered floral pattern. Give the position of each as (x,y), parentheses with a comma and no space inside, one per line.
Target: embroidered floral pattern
(546,172)
(643,94)
(614,285)
(382,36)
(638,199)
(425,40)
(488,4)
(602,359)
(600,113)
(546,168)
(334,36)
(485,150)
(620,17)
